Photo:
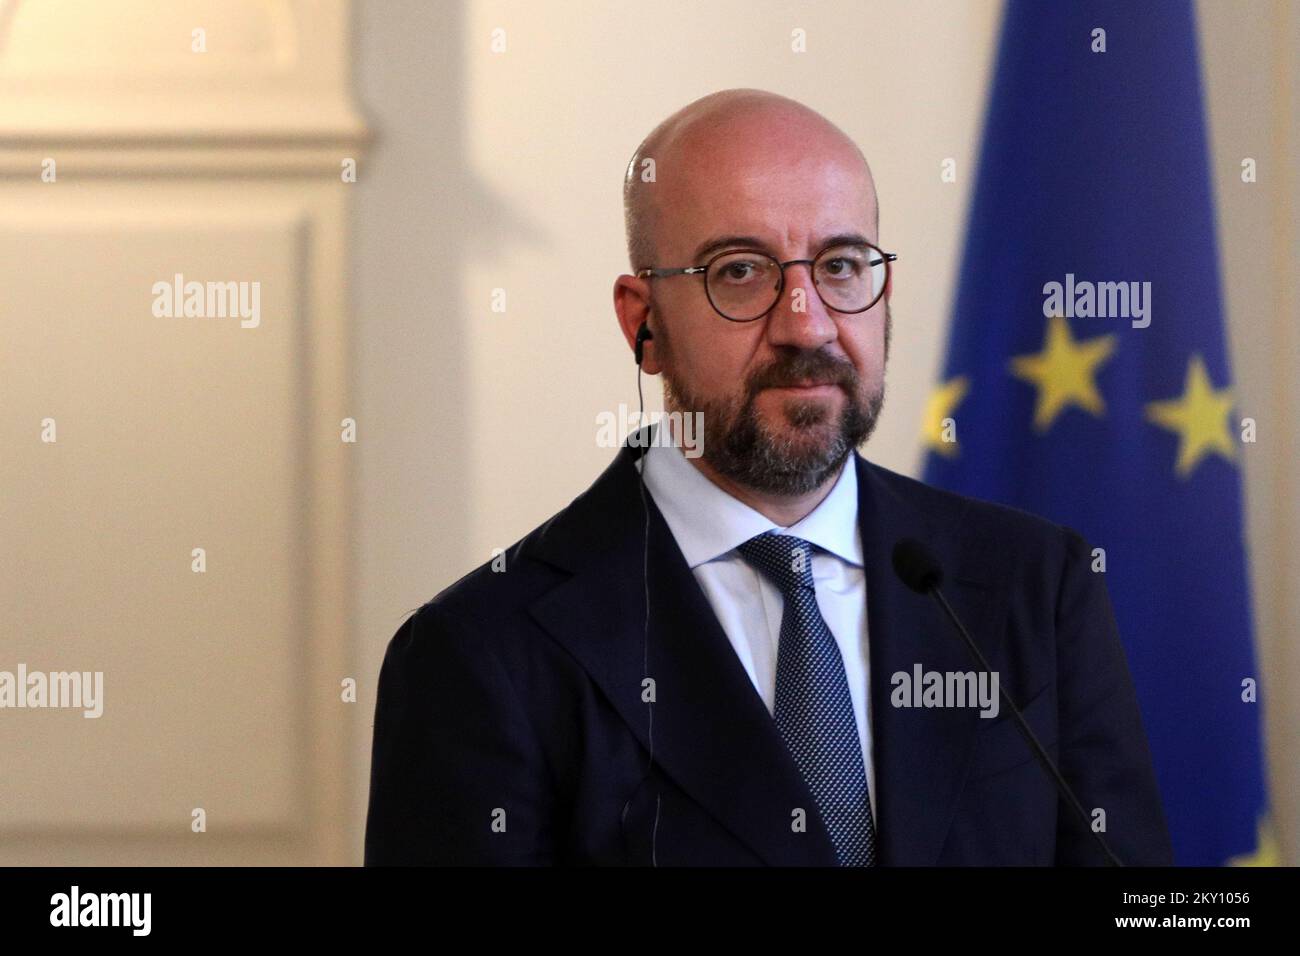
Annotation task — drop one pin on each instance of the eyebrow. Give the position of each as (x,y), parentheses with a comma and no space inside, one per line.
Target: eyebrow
(710,246)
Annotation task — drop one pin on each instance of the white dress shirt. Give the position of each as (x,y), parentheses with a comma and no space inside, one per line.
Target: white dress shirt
(708,524)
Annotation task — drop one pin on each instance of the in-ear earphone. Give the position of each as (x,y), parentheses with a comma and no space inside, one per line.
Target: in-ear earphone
(642,334)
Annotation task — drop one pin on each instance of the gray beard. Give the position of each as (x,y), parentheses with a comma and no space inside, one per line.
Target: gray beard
(740,447)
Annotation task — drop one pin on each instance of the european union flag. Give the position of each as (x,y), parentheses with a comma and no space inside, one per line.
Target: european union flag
(1087,376)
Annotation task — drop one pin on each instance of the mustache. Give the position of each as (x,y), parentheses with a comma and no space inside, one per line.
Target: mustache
(801,368)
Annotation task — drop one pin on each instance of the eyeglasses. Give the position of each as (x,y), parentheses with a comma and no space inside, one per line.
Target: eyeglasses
(744,284)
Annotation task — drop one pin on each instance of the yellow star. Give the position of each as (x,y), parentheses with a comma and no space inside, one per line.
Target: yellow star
(1266,853)
(1063,372)
(943,400)
(1200,418)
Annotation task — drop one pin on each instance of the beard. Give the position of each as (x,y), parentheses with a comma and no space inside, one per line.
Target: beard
(811,448)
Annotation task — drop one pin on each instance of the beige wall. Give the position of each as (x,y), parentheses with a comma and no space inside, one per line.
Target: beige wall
(503,171)
(132,150)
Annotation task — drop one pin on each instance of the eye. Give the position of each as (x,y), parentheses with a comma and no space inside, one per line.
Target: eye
(842,262)
(740,270)
(840,267)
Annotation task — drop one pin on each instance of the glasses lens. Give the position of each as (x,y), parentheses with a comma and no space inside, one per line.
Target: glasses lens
(743,285)
(850,277)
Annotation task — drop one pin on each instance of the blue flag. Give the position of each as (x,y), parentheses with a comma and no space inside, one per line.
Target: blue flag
(1087,376)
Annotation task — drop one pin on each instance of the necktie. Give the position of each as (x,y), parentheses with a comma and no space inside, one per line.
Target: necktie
(814,712)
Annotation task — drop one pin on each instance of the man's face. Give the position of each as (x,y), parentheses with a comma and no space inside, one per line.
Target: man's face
(787,397)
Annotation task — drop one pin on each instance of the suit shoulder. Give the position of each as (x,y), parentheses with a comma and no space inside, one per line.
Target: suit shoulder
(499,588)
(1000,525)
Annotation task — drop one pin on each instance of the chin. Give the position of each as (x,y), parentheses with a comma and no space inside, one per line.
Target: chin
(807,413)
(806,428)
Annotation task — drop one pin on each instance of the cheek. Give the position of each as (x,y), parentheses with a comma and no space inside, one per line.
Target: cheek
(710,360)
(865,345)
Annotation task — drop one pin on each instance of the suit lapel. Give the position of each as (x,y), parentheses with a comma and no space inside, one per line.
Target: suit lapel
(921,755)
(712,733)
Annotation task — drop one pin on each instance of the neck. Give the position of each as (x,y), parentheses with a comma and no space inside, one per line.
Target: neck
(784,510)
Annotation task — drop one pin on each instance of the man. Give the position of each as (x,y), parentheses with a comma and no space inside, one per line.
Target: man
(714,669)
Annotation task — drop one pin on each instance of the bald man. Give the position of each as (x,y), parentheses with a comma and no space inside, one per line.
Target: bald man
(706,659)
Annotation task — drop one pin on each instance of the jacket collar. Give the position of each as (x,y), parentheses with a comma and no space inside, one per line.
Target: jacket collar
(708,523)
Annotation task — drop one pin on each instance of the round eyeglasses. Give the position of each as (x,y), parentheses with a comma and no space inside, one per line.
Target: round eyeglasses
(744,284)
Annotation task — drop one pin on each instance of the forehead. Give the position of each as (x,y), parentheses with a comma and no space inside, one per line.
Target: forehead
(790,189)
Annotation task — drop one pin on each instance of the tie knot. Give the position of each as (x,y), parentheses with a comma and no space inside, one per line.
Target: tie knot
(783,558)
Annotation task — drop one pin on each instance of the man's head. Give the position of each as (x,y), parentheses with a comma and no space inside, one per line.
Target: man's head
(754,165)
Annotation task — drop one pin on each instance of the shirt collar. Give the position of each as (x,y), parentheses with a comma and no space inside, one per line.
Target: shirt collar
(707,523)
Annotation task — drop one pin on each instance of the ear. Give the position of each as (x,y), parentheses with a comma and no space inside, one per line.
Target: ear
(632,305)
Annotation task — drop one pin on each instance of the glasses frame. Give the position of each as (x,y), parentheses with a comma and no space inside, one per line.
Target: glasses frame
(886,259)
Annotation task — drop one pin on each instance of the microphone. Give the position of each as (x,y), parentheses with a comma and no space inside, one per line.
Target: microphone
(917,568)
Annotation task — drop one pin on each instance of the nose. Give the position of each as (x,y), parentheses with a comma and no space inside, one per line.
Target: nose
(800,318)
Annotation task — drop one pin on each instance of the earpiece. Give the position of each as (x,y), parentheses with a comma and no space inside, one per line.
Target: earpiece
(642,334)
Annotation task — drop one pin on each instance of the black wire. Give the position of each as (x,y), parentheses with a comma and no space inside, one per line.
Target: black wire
(645,577)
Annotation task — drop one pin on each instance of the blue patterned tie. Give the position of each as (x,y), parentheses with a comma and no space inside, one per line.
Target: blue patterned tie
(814,711)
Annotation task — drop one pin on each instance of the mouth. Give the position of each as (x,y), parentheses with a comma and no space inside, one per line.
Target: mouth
(808,388)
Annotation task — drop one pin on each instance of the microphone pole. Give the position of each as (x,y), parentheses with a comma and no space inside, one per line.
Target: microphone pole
(919,570)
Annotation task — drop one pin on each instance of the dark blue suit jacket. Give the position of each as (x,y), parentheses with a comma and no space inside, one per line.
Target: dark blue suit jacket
(510,726)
